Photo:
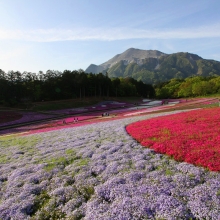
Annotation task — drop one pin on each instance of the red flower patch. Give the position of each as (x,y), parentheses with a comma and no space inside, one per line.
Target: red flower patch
(193,137)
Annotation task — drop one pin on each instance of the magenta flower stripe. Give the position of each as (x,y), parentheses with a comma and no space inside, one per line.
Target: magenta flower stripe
(193,137)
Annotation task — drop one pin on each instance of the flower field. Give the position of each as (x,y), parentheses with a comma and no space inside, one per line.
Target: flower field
(25,117)
(7,116)
(193,137)
(98,171)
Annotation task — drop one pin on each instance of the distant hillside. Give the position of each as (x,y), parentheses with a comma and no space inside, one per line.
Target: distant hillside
(129,56)
(152,66)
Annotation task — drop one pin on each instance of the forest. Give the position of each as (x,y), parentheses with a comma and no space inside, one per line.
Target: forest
(189,87)
(17,87)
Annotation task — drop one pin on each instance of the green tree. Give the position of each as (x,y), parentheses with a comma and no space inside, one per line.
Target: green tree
(116,83)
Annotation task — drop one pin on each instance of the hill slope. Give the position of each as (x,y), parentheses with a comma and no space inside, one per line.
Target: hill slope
(152,66)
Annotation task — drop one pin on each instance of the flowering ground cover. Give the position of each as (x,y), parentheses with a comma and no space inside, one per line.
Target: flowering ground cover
(199,101)
(33,116)
(98,171)
(69,121)
(94,117)
(86,119)
(149,110)
(26,117)
(193,137)
(7,116)
(105,105)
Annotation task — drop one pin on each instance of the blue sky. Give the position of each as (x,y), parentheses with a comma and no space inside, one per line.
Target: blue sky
(37,35)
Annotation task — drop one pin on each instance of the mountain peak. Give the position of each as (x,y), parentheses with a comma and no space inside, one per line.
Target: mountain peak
(131,55)
(152,66)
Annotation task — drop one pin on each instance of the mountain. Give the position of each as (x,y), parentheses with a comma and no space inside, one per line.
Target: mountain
(152,66)
(131,55)
(94,69)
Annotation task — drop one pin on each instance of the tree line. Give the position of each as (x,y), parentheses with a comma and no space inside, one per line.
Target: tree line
(18,87)
(188,87)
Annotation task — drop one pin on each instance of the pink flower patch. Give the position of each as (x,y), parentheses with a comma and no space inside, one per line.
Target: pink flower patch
(193,137)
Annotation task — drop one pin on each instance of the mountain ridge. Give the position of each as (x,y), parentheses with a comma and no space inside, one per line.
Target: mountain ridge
(153,66)
(130,55)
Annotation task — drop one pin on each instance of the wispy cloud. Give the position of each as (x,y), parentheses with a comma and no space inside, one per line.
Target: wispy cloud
(82,34)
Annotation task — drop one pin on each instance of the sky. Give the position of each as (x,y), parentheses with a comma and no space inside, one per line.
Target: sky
(38,35)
